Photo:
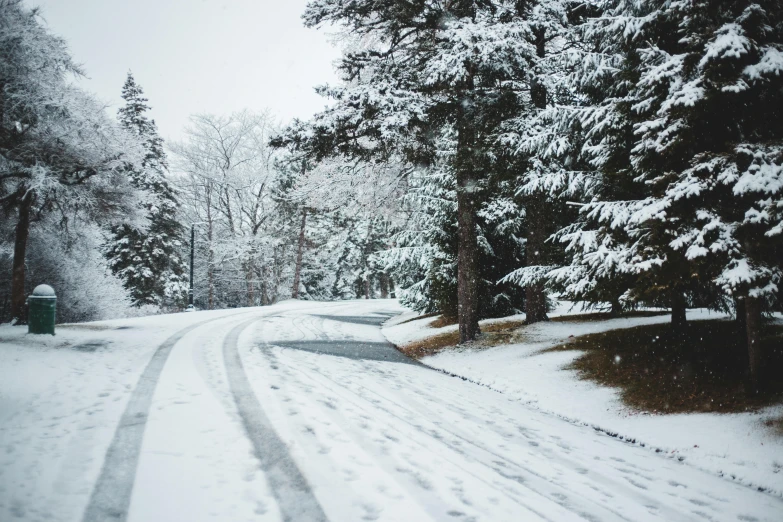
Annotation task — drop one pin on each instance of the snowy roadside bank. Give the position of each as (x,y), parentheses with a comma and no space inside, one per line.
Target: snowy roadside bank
(737,446)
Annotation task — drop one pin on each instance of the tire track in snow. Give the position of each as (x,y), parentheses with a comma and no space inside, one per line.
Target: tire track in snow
(545,492)
(416,407)
(513,471)
(111,495)
(412,406)
(295,498)
(584,507)
(420,410)
(436,508)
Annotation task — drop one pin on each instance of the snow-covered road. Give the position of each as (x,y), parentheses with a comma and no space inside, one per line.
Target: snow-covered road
(301,411)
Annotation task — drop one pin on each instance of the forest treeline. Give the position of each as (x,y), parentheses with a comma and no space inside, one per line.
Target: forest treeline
(98,206)
(476,158)
(620,153)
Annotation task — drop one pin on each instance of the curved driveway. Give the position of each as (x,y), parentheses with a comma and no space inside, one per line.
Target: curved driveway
(305,413)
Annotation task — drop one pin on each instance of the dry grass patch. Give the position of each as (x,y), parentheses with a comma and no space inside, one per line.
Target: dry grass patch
(493,334)
(776,425)
(425,316)
(442,321)
(603,316)
(700,370)
(430,345)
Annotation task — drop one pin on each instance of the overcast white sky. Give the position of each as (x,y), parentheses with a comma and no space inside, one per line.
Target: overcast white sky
(196,56)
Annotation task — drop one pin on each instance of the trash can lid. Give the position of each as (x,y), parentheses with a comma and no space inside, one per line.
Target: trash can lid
(44,291)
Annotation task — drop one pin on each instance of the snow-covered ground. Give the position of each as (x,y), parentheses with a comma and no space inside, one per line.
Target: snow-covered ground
(740,447)
(301,411)
(61,399)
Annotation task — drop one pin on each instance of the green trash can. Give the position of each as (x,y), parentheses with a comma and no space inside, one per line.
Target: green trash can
(42,309)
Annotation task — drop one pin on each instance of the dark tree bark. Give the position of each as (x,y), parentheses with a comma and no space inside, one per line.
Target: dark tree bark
(18,303)
(467,255)
(536,235)
(383,282)
(250,286)
(755,352)
(265,293)
(742,333)
(211,268)
(617,309)
(538,92)
(210,251)
(299,254)
(536,212)
(678,304)
(366,252)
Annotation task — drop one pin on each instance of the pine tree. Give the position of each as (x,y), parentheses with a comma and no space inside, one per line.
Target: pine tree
(148,259)
(424,252)
(710,143)
(679,115)
(425,71)
(579,146)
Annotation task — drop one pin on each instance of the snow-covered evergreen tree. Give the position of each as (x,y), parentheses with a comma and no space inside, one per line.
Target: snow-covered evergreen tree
(148,258)
(677,112)
(702,146)
(579,146)
(543,177)
(418,72)
(710,141)
(422,258)
(710,144)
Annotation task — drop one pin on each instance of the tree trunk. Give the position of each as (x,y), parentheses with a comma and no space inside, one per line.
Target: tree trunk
(250,286)
(18,304)
(392,292)
(467,256)
(536,211)
(742,333)
(617,308)
(264,292)
(755,353)
(208,188)
(366,252)
(384,284)
(299,254)
(678,304)
(538,93)
(211,278)
(535,294)
(211,268)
